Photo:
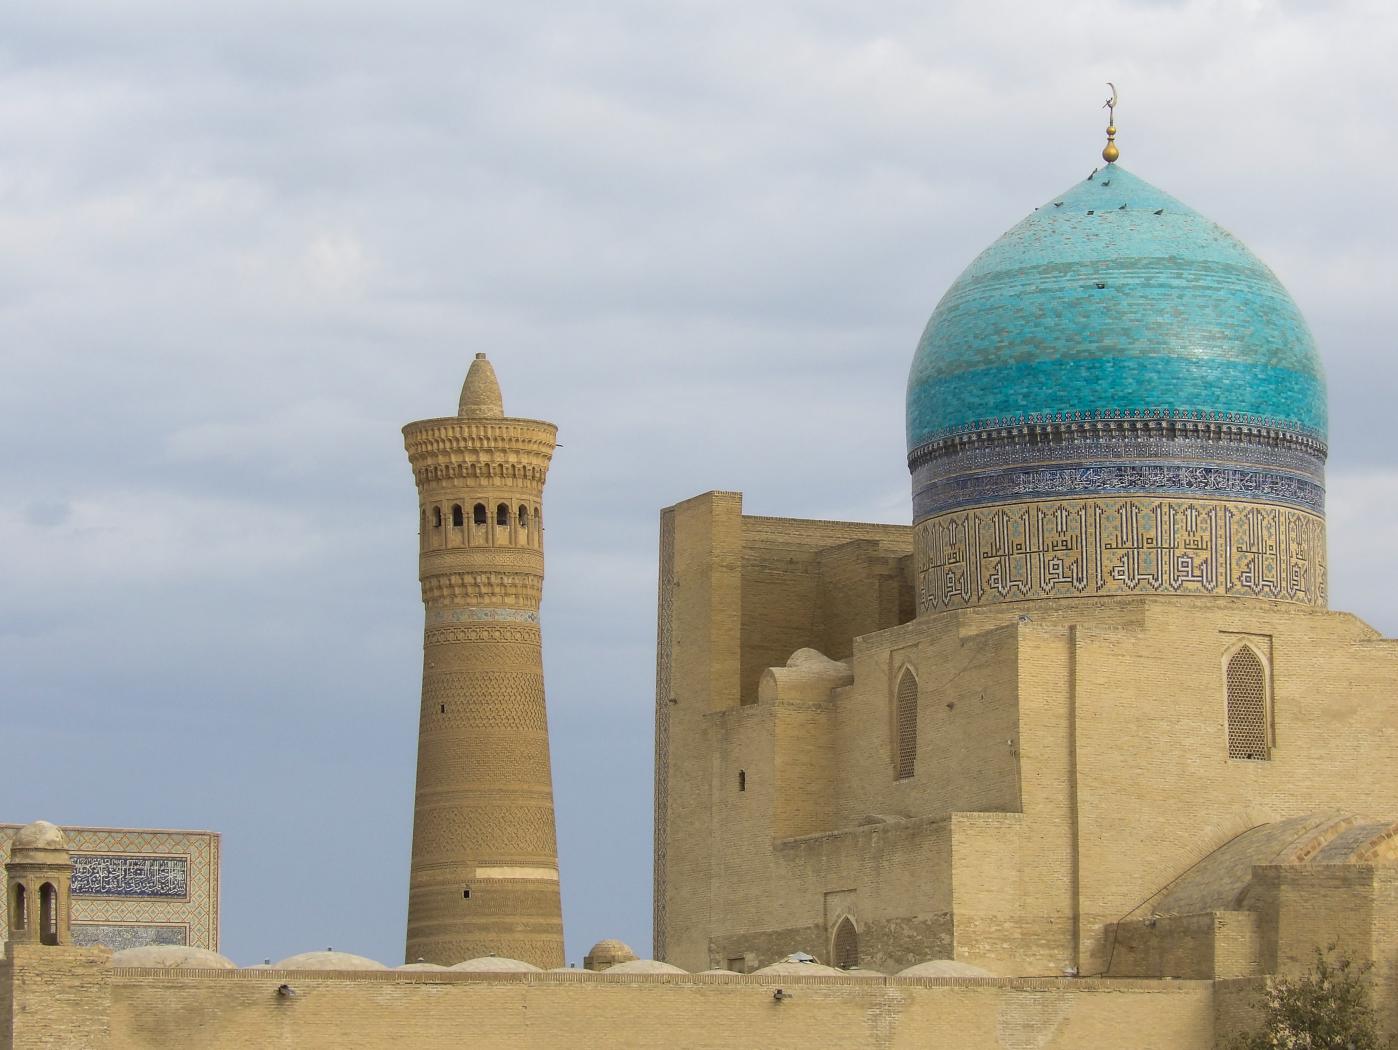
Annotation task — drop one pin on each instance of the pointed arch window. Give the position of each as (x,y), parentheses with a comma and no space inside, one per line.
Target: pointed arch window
(502,515)
(48,914)
(478,514)
(1246,686)
(844,953)
(905,724)
(457,517)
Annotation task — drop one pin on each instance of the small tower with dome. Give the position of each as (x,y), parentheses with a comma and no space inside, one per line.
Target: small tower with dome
(484,874)
(37,886)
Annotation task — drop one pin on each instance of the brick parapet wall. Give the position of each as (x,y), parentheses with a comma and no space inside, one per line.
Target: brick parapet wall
(221,1010)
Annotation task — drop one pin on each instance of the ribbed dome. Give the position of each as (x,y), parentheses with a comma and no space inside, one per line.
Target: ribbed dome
(1111,300)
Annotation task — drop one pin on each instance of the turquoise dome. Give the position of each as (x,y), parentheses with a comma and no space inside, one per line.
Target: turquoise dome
(1115,301)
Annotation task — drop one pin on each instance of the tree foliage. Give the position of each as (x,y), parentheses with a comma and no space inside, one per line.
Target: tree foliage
(1327,1008)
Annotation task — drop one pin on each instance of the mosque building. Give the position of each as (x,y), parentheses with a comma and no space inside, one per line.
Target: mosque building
(1078,758)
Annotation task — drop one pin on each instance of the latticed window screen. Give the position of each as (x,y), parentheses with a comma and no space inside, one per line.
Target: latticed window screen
(846,953)
(1247,705)
(907,724)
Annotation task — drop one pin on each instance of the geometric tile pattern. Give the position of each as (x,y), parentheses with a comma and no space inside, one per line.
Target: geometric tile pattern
(1122,546)
(138,886)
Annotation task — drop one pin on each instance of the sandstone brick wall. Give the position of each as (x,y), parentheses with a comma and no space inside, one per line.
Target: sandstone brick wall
(55,998)
(210,1010)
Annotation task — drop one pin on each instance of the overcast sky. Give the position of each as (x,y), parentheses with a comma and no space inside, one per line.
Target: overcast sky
(241,244)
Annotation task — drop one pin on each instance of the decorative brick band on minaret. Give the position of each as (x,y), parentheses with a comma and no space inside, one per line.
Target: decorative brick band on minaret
(484,877)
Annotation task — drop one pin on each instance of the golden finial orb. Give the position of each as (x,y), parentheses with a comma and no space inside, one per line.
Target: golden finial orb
(1109,152)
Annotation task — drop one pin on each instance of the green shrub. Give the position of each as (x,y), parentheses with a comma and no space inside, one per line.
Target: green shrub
(1328,1008)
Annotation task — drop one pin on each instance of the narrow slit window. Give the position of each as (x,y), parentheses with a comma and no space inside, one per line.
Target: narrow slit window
(1247,705)
(742,780)
(905,719)
(48,914)
(19,909)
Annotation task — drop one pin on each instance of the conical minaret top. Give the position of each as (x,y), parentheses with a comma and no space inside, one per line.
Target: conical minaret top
(480,394)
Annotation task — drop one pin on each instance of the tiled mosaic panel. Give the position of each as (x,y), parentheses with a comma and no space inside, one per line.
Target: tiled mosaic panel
(118,937)
(1095,304)
(1082,548)
(196,910)
(105,875)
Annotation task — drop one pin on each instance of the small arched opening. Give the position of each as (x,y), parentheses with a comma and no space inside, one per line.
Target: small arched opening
(19,907)
(523,516)
(436,517)
(478,514)
(502,515)
(844,950)
(458,519)
(48,914)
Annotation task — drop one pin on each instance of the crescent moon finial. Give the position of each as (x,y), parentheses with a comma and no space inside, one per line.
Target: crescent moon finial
(1110,153)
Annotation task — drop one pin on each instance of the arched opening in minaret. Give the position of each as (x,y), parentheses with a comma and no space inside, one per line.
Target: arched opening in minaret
(478,514)
(458,519)
(436,517)
(844,953)
(502,515)
(523,516)
(19,907)
(48,914)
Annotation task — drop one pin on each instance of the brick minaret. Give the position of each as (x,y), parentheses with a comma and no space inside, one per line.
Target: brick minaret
(484,874)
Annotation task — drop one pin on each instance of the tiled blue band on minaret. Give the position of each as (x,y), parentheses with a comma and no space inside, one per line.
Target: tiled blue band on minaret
(1117,355)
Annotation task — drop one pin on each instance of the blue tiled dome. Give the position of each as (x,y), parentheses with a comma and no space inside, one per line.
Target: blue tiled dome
(1114,300)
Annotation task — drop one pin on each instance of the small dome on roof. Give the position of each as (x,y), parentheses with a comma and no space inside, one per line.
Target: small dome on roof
(606,954)
(40,835)
(172,957)
(860,971)
(328,960)
(645,966)
(789,967)
(420,966)
(494,964)
(944,968)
